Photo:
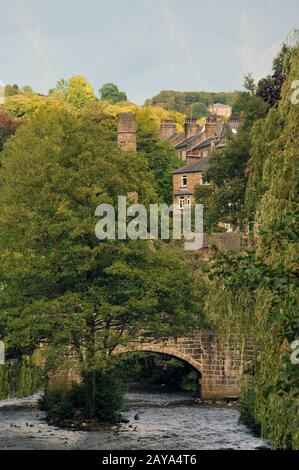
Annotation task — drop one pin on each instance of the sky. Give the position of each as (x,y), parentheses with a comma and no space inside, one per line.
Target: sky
(144,46)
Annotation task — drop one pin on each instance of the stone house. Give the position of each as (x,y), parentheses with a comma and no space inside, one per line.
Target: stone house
(196,140)
(194,145)
(220,109)
(185,180)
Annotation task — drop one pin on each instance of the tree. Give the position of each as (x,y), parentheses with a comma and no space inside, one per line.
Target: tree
(225,197)
(27,90)
(110,92)
(270,87)
(161,157)
(249,84)
(62,286)
(11,90)
(255,294)
(182,101)
(76,91)
(8,127)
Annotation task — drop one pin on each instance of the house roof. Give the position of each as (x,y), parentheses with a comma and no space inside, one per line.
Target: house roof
(199,166)
(173,136)
(205,143)
(190,141)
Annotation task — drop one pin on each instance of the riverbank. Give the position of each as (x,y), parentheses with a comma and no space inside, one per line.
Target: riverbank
(163,424)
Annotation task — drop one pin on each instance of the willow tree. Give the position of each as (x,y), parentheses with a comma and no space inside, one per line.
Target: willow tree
(257,293)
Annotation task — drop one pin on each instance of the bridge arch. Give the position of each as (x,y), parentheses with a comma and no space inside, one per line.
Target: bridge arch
(170,352)
(167,351)
(220,366)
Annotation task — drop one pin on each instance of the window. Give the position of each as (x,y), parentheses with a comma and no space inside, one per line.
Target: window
(182,202)
(184,181)
(188,201)
(228,227)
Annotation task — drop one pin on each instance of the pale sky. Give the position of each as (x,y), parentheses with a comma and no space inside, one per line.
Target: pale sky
(143,46)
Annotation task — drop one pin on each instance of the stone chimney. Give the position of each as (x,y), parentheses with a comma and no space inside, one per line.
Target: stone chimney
(212,125)
(191,127)
(167,128)
(126,132)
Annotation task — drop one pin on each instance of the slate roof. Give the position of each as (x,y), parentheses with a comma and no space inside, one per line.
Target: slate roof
(199,166)
(190,141)
(205,143)
(173,136)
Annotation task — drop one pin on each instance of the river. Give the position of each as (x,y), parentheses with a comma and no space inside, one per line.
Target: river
(166,422)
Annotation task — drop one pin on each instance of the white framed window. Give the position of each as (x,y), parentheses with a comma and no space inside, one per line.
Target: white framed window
(228,227)
(188,201)
(184,181)
(182,202)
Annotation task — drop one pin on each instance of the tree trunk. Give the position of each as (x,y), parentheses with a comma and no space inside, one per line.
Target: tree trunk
(90,373)
(90,392)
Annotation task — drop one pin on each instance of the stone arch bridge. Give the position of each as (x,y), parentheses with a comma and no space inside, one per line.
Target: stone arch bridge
(220,366)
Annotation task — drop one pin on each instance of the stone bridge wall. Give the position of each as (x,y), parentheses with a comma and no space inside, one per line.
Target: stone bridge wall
(220,366)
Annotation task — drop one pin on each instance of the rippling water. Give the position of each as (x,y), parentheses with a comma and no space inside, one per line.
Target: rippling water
(167,422)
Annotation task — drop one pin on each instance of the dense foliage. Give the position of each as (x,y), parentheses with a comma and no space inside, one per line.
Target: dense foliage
(224,197)
(110,92)
(195,103)
(68,407)
(20,378)
(162,159)
(256,294)
(8,126)
(159,370)
(62,286)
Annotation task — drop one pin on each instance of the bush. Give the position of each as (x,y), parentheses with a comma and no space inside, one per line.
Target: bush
(70,406)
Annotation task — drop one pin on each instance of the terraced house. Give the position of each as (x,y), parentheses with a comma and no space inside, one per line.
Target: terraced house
(194,145)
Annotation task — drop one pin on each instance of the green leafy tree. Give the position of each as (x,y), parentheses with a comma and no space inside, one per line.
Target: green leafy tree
(255,294)
(110,92)
(76,91)
(161,157)
(63,287)
(183,102)
(224,198)
(12,90)
(249,84)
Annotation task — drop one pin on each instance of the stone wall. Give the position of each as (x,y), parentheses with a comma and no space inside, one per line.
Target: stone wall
(220,366)
(126,132)
(167,128)
(193,180)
